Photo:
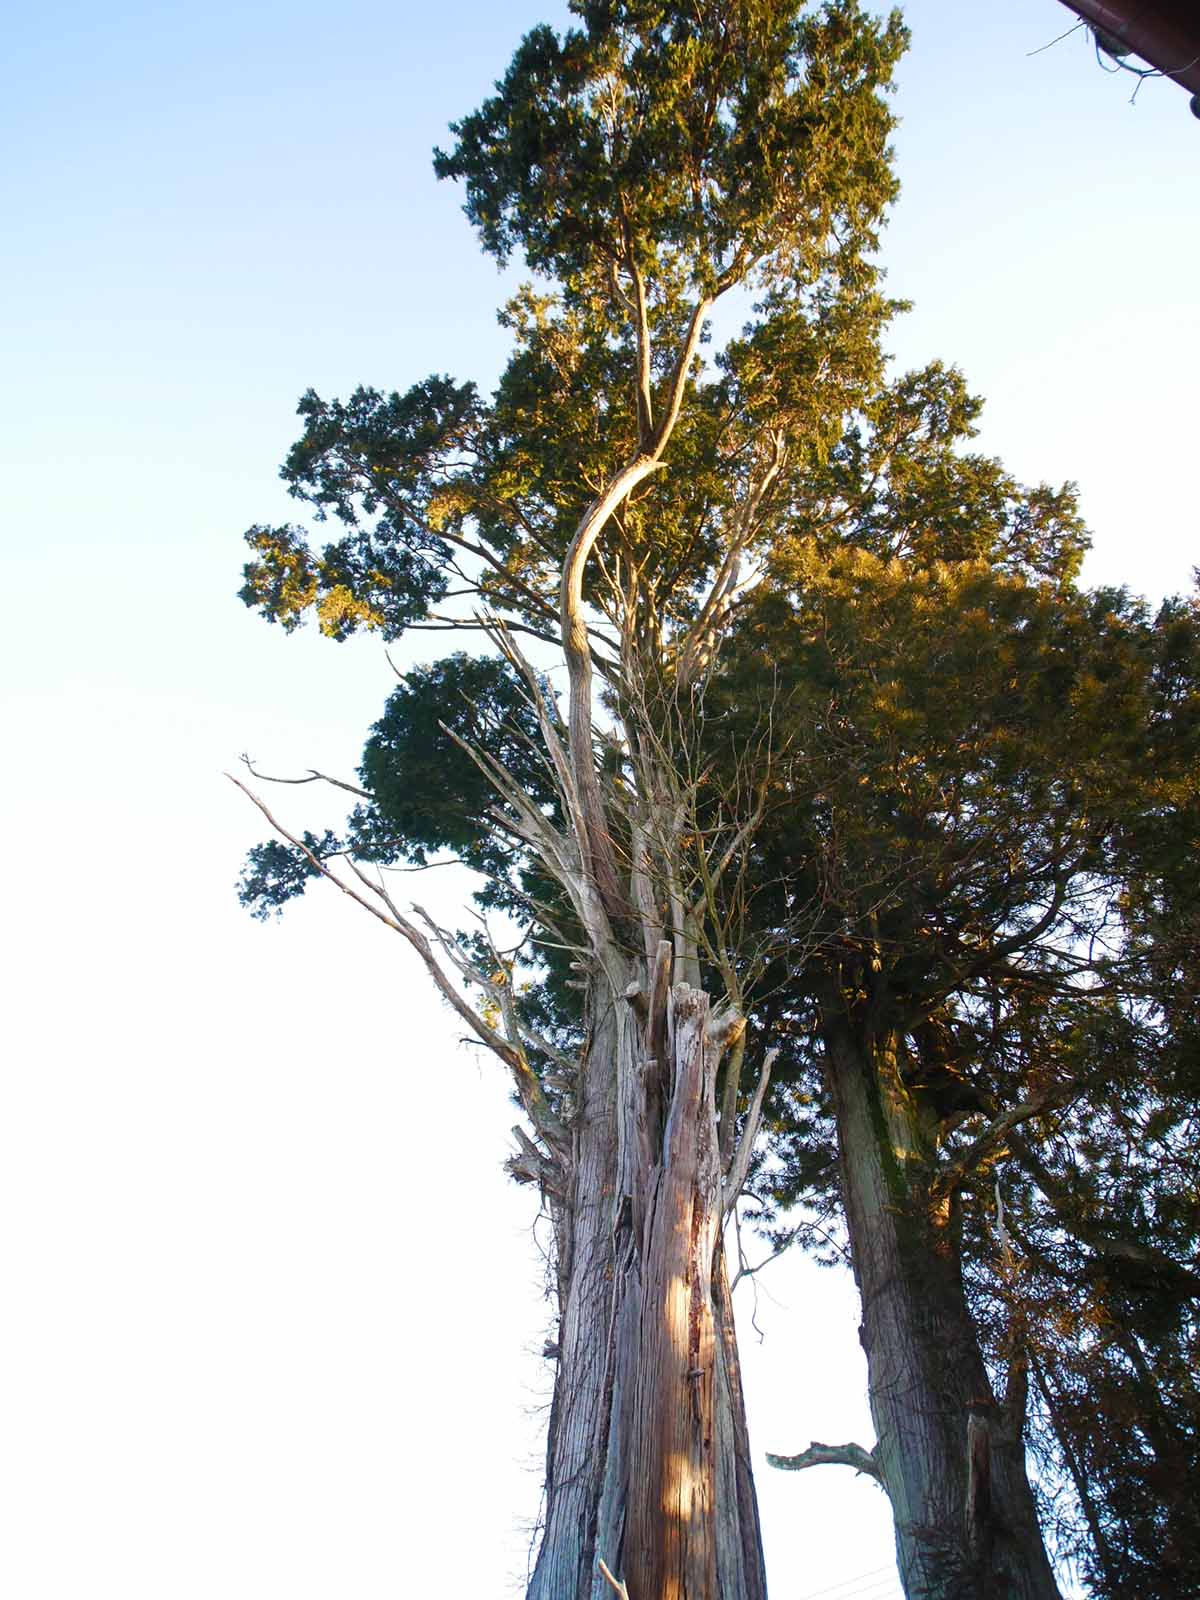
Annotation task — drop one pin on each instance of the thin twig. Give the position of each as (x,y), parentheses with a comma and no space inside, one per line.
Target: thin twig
(1059,40)
(313,777)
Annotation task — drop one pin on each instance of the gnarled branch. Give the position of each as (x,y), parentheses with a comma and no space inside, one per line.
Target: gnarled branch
(834,1455)
(313,777)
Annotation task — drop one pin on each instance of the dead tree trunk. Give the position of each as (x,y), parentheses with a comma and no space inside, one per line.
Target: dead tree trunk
(648,1466)
(949,1454)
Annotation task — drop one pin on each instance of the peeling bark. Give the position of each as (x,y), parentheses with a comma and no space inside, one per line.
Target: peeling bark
(648,1463)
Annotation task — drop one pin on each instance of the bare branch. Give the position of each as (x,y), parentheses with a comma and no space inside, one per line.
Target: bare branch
(832,1455)
(699,643)
(594,834)
(740,1165)
(726,1122)
(596,839)
(673,399)
(530,1092)
(642,326)
(531,1165)
(439,623)
(989,1142)
(313,777)
(498,989)
(745,1270)
(618,1586)
(554,733)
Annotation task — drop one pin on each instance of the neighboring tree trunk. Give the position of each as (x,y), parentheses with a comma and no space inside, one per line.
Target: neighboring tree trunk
(950,1456)
(648,1466)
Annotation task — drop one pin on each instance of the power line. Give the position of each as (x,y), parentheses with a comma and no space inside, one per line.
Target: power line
(884,1588)
(855,1588)
(875,1573)
(891,1591)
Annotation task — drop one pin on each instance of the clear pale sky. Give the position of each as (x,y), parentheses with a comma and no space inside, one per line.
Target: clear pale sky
(272,1322)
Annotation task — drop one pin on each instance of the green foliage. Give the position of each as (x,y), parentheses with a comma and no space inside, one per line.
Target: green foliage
(935,674)
(901,480)
(717,136)
(426,786)
(373,457)
(428,795)
(1105,1217)
(276,873)
(994,801)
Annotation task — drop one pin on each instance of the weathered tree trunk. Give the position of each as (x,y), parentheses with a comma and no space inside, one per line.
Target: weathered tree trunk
(647,1464)
(950,1456)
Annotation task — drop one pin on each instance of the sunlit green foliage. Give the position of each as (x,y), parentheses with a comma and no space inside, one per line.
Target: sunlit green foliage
(716,138)
(648,156)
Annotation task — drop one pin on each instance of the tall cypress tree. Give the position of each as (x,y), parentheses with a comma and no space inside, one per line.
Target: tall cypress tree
(608,500)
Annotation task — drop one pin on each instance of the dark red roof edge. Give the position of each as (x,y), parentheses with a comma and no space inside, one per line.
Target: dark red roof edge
(1165,33)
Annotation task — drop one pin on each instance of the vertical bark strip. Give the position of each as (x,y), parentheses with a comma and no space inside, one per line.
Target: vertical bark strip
(579,1444)
(670,1549)
(648,1464)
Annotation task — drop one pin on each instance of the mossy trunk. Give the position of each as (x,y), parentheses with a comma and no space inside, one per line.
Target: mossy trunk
(648,1463)
(950,1455)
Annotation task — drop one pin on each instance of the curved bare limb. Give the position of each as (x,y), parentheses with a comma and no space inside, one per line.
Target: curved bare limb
(529,1090)
(313,777)
(599,855)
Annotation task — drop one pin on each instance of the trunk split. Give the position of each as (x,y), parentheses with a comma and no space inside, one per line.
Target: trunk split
(951,1457)
(648,1464)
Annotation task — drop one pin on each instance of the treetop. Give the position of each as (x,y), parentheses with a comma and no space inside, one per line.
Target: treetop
(710,140)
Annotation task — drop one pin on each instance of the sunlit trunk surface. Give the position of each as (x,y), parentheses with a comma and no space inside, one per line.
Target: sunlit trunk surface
(647,1464)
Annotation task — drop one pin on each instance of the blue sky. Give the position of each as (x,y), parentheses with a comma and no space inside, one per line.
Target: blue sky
(272,1326)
